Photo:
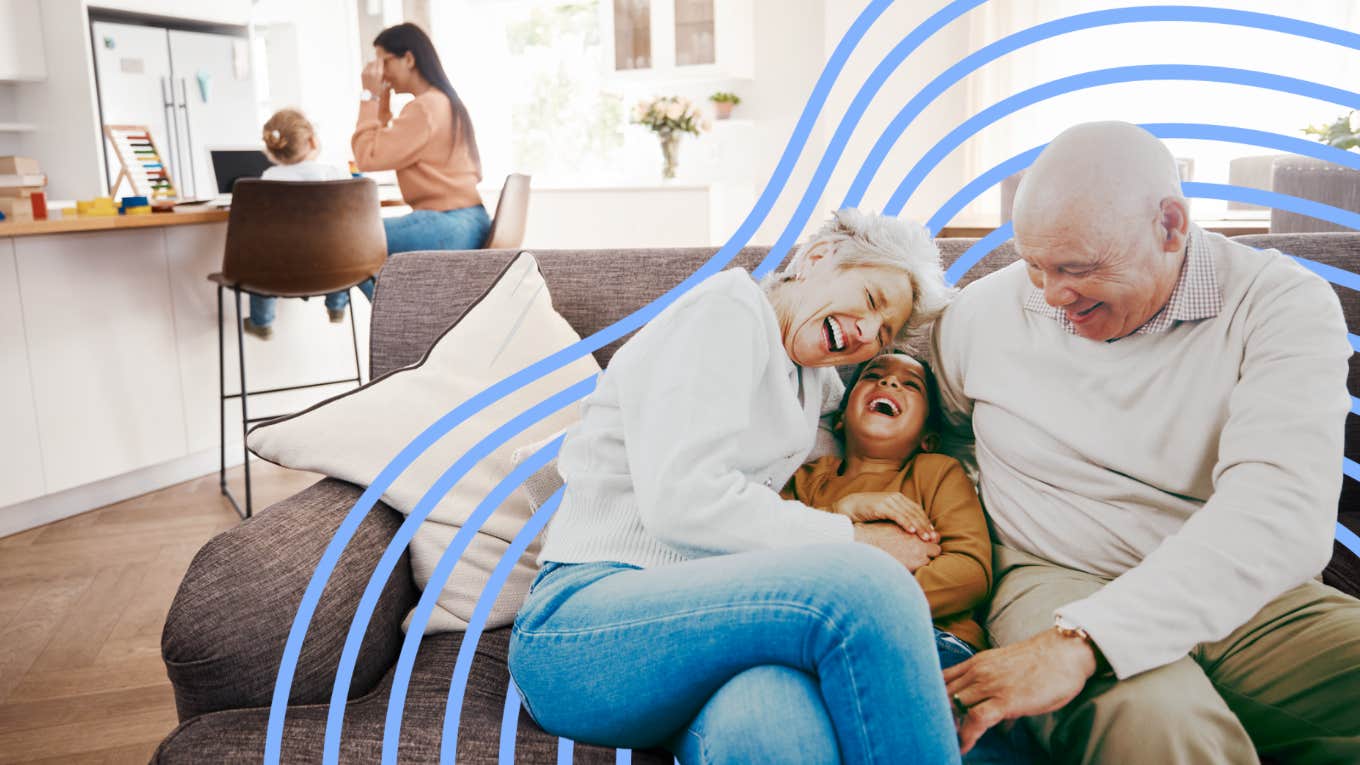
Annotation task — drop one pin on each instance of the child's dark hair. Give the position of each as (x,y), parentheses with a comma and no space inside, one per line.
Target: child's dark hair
(934,417)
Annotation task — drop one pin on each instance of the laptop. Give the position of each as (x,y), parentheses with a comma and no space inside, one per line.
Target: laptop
(229,164)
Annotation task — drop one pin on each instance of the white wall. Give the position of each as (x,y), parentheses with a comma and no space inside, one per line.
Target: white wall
(324,74)
(63,106)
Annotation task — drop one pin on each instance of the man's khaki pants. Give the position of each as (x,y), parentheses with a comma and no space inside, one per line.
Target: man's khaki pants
(1286,683)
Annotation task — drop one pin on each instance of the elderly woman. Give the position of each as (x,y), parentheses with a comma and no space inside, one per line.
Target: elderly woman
(682,602)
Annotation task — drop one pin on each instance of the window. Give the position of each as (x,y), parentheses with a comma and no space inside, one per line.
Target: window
(633,34)
(694,32)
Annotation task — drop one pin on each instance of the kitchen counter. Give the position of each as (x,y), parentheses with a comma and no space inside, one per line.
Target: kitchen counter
(108,223)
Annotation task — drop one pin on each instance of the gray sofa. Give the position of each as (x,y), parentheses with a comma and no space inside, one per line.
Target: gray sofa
(225,632)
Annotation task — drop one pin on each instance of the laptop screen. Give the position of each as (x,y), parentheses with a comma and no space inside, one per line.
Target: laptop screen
(230,164)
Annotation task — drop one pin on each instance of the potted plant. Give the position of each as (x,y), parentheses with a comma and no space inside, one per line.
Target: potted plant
(1344,133)
(723,103)
(669,117)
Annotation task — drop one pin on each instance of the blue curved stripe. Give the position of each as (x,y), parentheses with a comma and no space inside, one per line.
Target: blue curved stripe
(1355,342)
(982,247)
(1355,405)
(509,727)
(623,757)
(439,576)
(836,146)
(467,649)
(1139,73)
(565,749)
(965,66)
(1345,536)
(307,609)
(383,570)
(1351,468)
(1186,130)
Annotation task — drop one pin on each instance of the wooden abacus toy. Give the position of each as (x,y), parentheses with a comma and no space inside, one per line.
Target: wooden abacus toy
(142,166)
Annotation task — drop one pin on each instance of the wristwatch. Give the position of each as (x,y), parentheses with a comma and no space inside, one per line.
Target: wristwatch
(1068,629)
(366,95)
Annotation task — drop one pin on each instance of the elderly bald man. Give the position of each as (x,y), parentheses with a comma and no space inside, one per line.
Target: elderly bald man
(1158,414)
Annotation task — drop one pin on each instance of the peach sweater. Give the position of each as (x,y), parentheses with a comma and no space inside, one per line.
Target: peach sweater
(432,172)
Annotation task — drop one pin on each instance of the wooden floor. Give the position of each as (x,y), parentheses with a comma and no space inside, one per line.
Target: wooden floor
(82,603)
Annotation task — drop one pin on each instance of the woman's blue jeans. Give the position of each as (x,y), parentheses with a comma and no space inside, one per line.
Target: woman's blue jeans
(819,654)
(462,229)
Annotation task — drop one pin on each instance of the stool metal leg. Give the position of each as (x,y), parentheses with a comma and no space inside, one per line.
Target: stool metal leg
(222,398)
(245,415)
(354,335)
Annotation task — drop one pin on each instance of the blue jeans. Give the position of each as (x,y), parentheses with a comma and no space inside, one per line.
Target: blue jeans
(462,229)
(819,654)
(262,308)
(1006,744)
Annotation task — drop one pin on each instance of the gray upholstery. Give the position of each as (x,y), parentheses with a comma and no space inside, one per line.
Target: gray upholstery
(226,629)
(1315,180)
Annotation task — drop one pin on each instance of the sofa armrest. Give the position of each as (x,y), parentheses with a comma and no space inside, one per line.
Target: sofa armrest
(226,629)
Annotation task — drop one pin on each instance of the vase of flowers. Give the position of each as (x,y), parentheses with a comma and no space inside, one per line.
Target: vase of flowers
(723,102)
(670,117)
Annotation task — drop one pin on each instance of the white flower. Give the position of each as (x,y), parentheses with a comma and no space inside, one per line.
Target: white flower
(674,111)
(1355,121)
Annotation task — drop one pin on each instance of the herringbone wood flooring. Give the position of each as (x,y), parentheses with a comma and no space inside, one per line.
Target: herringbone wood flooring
(82,603)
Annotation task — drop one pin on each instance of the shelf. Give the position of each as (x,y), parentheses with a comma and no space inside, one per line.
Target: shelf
(17,127)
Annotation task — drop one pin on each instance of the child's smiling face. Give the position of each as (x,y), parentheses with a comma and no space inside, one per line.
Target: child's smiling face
(886,411)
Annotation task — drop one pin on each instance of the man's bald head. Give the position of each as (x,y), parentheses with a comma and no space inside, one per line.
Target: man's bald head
(1109,175)
(1100,219)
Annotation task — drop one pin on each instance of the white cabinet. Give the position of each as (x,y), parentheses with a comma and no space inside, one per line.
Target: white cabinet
(21,41)
(21,469)
(101,342)
(679,39)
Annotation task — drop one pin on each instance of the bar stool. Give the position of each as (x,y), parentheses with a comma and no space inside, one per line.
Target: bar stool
(292,239)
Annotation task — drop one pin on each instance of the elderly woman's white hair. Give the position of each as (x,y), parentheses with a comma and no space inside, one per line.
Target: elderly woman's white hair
(857,239)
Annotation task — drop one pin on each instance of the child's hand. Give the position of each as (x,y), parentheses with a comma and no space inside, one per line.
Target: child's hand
(888,506)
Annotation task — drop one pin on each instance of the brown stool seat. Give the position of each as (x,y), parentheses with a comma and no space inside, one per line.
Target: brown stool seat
(292,239)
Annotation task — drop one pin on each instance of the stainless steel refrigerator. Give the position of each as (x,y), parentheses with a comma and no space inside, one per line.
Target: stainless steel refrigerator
(193,88)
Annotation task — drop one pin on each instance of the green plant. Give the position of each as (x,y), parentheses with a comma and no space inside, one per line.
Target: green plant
(723,97)
(1344,133)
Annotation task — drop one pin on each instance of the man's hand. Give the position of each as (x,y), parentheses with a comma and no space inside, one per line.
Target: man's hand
(867,506)
(907,549)
(1031,677)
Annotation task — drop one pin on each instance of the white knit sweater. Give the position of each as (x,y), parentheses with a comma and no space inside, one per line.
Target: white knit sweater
(694,428)
(1198,467)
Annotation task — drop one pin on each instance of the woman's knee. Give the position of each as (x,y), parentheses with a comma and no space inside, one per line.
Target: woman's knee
(767,714)
(865,582)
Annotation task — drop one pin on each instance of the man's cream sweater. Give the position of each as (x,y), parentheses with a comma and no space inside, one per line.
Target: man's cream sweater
(1198,468)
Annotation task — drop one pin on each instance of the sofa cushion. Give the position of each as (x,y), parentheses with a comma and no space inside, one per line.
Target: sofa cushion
(224,634)
(355,435)
(420,293)
(237,736)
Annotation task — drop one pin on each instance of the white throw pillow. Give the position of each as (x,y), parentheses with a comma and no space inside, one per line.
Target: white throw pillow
(354,436)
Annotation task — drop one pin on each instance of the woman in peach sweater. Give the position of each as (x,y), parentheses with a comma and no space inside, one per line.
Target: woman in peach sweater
(431,145)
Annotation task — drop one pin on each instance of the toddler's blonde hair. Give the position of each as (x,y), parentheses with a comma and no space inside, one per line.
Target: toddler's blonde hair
(286,137)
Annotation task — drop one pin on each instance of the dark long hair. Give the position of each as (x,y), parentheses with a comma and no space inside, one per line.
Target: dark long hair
(401,38)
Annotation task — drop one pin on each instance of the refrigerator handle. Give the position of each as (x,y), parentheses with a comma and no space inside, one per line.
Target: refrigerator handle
(171,125)
(188,134)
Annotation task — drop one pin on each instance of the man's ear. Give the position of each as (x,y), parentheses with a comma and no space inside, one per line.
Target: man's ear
(930,442)
(1175,222)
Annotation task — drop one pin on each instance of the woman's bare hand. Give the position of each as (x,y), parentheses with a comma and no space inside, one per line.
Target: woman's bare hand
(888,506)
(908,549)
(372,76)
